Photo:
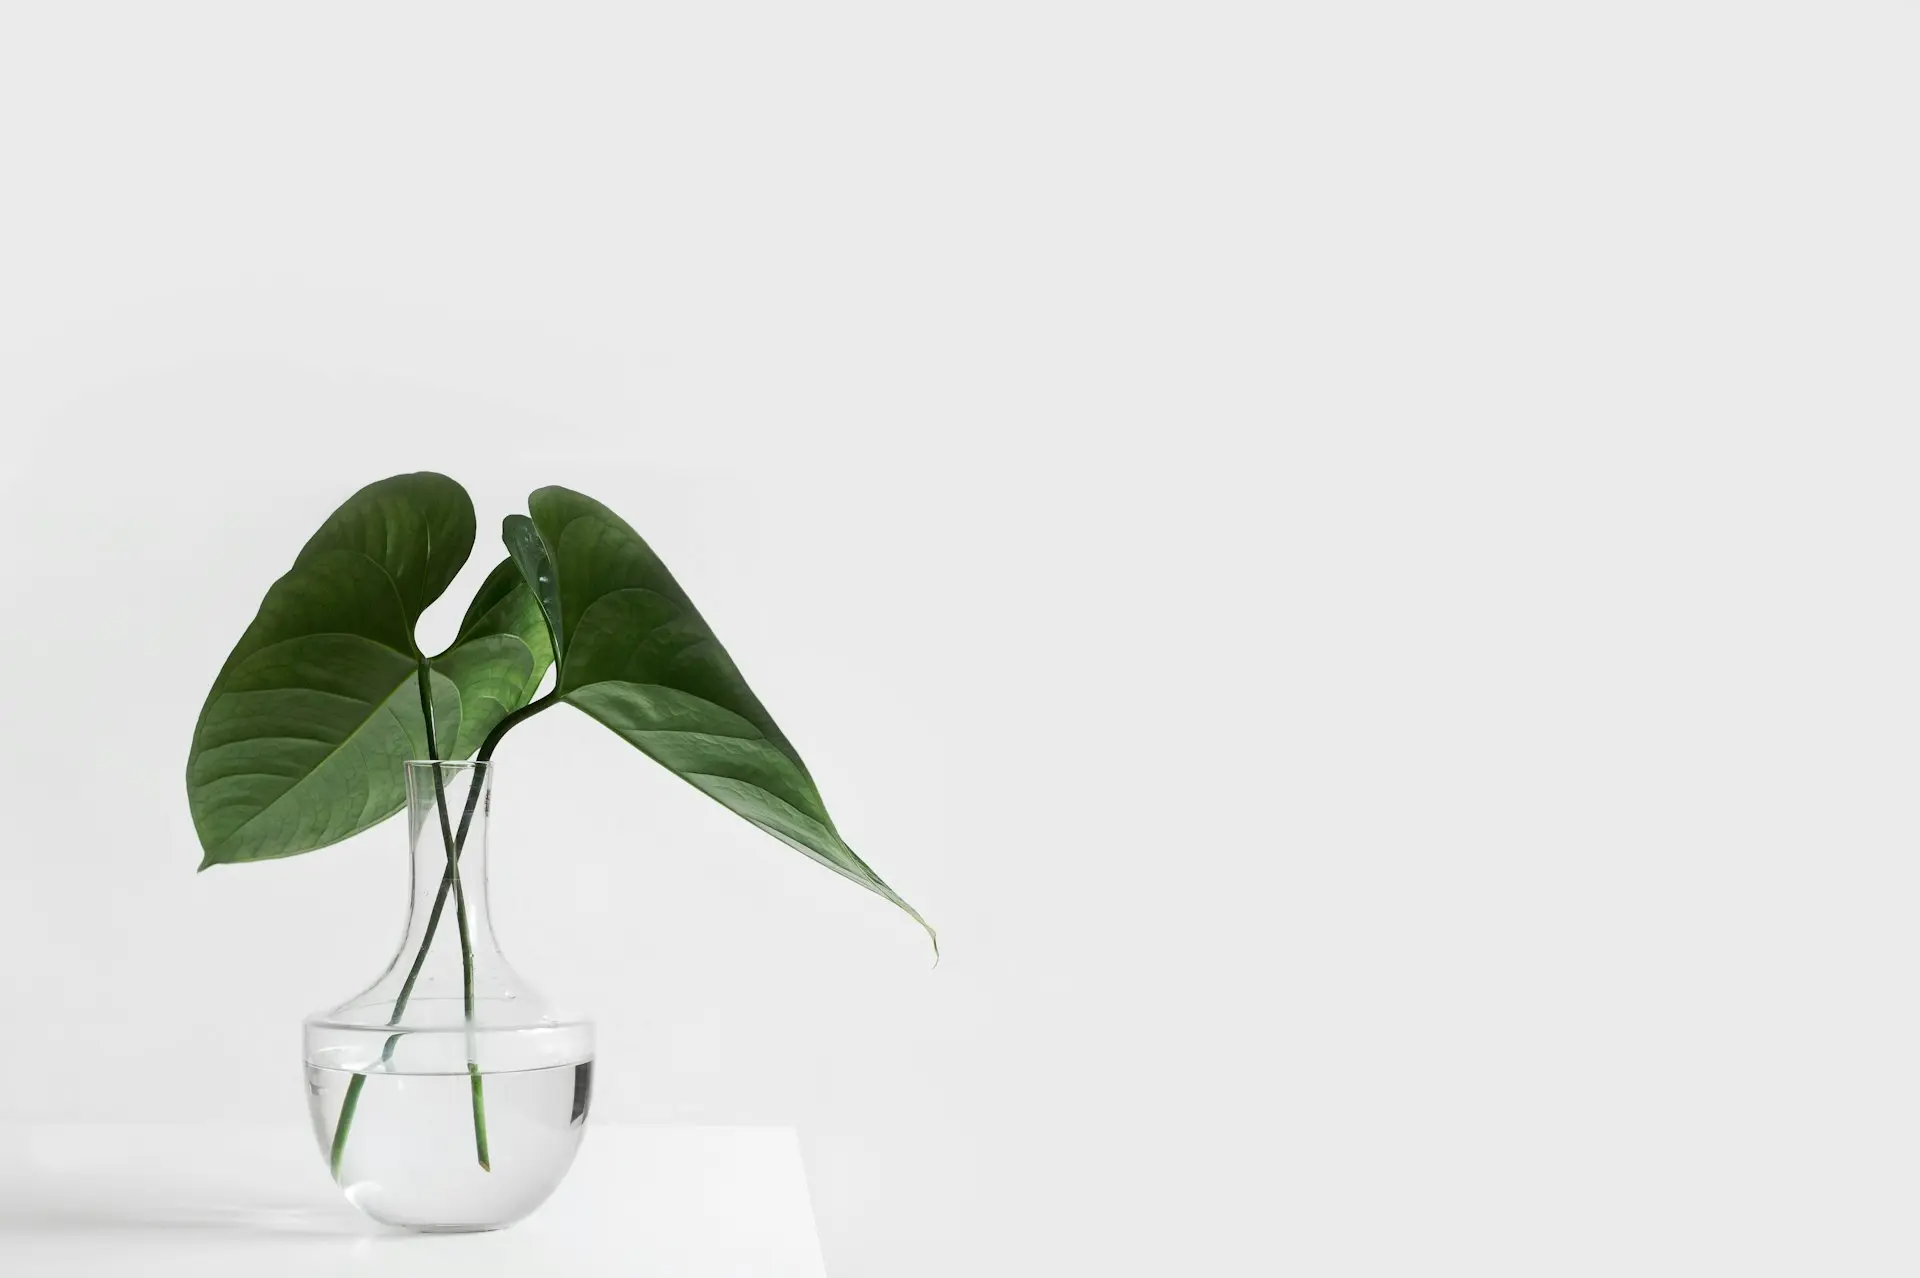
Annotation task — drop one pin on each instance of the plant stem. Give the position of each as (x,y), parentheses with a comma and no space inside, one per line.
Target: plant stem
(351,1102)
(460,916)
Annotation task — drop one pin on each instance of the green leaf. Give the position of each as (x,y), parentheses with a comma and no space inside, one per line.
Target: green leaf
(499,659)
(529,553)
(639,658)
(301,741)
(418,528)
(497,606)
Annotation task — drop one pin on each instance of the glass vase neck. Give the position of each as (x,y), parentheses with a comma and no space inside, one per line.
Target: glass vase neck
(449,809)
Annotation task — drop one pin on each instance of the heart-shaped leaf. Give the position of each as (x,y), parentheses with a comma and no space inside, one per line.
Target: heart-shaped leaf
(638,657)
(301,741)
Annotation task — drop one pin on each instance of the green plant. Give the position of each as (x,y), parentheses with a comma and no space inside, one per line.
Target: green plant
(301,741)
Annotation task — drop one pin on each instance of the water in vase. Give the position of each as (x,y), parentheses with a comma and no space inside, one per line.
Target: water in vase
(413,1157)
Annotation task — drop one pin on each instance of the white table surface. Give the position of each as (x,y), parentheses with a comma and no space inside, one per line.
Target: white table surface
(154,1201)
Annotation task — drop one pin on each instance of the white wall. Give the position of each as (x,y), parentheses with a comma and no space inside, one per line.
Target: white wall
(1358,561)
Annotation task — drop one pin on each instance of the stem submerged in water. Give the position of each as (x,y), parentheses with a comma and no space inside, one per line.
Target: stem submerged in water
(456,843)
(479,1117)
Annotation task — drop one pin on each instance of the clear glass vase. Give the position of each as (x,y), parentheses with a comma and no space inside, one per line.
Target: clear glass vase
(448,1096)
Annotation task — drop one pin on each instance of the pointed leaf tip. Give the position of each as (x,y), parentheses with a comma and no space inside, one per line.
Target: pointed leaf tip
(636,655)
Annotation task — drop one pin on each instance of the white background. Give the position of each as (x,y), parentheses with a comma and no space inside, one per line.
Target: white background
(1357,560)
